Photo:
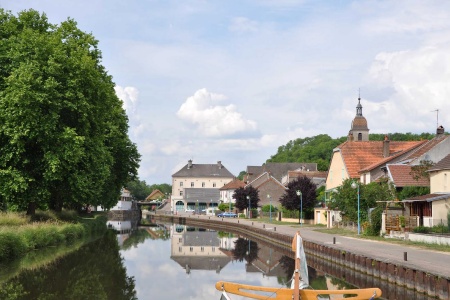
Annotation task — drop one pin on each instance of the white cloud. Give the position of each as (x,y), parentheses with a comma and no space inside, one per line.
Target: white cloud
(242,24)
(420,80)
(129,96)
(214,120)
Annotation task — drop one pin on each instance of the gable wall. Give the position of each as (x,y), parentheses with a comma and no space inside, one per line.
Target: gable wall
(275,190)
(440,182)
(337,172)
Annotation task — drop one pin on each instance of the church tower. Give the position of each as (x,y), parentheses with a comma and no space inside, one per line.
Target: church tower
(359,130)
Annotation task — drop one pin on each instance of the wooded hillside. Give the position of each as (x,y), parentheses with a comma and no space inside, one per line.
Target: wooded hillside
(318,149)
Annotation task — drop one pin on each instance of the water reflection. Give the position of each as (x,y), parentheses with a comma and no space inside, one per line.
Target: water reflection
(94,271)
(147,260)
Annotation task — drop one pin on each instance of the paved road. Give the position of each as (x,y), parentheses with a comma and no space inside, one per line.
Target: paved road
(430,261)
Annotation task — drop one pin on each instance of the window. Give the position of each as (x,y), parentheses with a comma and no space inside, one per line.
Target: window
(180,249)
(181,193)
(214,184)
(192,184)
(181,183)
(203,184)
(191,249)
(213,249)
(360,136)
(202,249)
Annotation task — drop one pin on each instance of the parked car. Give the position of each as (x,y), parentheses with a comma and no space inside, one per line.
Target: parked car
(190,211)
(227,215)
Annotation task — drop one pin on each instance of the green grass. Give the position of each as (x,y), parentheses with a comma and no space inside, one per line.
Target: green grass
(13,219)
(20,234)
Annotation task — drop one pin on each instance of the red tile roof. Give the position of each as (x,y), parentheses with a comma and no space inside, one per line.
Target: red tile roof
(401,176)
(233,185)
(385,160)
(358,155)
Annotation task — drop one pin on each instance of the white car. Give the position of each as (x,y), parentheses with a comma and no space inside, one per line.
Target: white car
(189,210)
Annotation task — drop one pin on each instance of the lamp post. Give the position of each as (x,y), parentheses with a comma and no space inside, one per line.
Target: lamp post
(354,186)
(270,214)
(197,207)
(249,208)
(299,193)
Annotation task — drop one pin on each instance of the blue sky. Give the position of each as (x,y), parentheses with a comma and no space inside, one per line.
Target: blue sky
(234,80)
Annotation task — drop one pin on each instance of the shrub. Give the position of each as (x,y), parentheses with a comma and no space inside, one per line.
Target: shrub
(12,245)
(374,226)
(421,229)
(440,229)
(266,208)
(72,232)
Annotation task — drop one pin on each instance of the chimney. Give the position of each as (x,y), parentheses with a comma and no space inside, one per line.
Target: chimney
(440,131)
(386,146)
(219,164)
(189,164)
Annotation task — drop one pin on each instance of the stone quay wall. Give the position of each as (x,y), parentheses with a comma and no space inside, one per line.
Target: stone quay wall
(383,273)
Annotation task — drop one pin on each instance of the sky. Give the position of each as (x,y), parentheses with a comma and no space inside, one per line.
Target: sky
(233,80)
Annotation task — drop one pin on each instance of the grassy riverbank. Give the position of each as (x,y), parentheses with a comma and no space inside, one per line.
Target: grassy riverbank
(20,234)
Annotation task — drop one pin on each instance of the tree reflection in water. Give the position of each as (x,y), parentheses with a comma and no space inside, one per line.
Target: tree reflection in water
(95,271)
(245,249)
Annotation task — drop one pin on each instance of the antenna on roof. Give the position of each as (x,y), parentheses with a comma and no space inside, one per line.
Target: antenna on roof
(437,117)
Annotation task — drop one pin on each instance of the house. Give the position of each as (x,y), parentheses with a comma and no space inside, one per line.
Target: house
(276,170)
(269,188)
(155,195)
(125,202)
(227,191)
(433,209)
(366,161)
(428,150)
(196,186)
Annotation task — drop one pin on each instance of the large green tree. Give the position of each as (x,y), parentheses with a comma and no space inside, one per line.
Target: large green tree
(64,134)
(345,198)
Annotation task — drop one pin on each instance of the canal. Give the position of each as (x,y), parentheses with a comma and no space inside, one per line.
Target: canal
(165,261)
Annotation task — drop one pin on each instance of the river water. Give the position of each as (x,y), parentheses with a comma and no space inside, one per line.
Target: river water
(161,261)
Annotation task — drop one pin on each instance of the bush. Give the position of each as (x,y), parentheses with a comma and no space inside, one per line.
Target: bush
(266,208)
(12,245)
(440,229)
(421,229)
(374,226)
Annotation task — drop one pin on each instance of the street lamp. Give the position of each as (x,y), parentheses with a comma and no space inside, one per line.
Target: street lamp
(354,186)
(270,201)
(197,207)
(299,193)
(249,208)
